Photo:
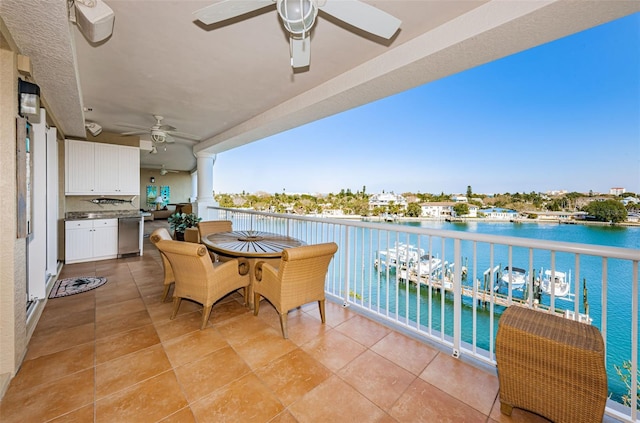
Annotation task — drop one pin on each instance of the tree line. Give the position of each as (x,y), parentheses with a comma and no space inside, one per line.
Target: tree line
(600,208)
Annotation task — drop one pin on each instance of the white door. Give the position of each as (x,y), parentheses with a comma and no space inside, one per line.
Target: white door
(52,202)
(37,240)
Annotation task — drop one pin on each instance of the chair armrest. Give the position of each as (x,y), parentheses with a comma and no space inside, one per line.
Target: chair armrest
(243,266)
(258,270)
(229,269)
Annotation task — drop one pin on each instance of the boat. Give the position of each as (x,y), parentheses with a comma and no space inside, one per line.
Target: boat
(426,266)
(515,277)
(400,255)
(561,285)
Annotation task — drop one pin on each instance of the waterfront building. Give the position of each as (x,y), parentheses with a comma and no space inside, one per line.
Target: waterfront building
(499,213)
(438,209)
(557,215)
(386,199)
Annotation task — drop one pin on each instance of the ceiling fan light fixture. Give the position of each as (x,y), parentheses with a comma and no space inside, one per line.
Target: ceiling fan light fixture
(298,16)
(158,136)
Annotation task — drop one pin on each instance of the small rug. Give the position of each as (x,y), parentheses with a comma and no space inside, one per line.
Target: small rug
(72,286)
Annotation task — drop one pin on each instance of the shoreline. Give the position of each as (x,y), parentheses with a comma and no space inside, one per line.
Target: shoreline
(379,219)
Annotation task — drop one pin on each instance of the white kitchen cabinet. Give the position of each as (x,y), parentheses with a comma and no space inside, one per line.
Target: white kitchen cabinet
(89,240)
(101,169)
(79,167)
(129,170)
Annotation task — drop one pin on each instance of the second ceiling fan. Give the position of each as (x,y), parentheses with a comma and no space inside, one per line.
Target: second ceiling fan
(298,17)
(159,132)
(164,171)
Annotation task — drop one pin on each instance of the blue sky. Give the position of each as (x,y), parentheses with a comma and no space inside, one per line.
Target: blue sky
(562,116)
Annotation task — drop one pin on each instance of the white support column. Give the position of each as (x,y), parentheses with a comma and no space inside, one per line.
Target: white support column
(205,198)
(194,186)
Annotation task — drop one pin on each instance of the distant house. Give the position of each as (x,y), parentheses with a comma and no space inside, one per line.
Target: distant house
(473,211)
(441,209)
(460,199)
(617,191)
(385,199)
(559,215)
(499,213)
(630,200)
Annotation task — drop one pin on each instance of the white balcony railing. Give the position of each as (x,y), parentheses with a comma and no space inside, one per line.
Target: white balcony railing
(463,317)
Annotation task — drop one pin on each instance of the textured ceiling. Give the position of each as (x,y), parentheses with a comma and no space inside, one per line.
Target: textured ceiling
(231,84)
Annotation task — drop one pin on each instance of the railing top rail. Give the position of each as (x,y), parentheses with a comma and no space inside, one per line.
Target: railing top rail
(559,246)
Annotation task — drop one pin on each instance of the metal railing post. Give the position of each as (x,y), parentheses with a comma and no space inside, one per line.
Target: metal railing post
(457,297)
(347,284)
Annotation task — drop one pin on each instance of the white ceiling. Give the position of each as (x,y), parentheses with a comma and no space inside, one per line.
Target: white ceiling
(231,84)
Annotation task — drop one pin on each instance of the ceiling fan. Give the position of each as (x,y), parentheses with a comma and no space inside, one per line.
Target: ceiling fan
(298,17)
(164,171)
(159,133)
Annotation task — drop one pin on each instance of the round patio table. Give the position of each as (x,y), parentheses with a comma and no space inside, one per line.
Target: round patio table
(250,244)
(253,245)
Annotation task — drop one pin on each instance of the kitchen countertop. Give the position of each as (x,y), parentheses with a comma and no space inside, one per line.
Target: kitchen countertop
(113,214)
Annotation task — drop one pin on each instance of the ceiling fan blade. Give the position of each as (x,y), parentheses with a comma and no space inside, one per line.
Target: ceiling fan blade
(126,134)
(184,135)
(169,139)
(128,125)
(363,16)
(167,128)
(300,51)
(228,9)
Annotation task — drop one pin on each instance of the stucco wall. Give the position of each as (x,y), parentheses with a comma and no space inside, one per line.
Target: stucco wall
(13,334)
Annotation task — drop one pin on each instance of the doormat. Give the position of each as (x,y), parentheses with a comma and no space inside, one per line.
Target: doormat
(72,286)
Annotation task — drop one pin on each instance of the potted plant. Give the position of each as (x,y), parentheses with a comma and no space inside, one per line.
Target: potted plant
(179,222)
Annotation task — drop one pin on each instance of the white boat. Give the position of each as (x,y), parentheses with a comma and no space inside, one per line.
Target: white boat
(400,255)
(514,276)
(427,265)
(561,283)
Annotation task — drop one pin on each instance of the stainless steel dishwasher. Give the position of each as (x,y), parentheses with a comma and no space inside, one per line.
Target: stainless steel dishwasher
(129,236)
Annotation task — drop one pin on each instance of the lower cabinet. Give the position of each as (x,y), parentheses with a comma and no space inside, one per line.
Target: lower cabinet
(89,240)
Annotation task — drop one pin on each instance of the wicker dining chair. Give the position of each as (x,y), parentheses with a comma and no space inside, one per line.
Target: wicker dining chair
(207,227)
(214,226)
(198,279)
(155,237)
(192,235)
(298,279)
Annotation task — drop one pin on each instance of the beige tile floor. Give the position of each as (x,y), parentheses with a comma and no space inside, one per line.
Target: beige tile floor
(113,355)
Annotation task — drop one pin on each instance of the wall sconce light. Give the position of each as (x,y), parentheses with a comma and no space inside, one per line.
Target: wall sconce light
(152,179)
(29,101)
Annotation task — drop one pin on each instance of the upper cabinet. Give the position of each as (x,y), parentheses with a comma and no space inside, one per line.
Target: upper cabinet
(103,169)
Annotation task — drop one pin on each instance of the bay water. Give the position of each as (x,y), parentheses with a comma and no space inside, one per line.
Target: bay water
(618,275)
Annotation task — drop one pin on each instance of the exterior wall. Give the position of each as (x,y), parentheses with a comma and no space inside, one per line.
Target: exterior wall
(13,318)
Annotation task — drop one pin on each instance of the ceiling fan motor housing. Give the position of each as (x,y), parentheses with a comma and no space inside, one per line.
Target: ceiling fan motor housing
(298,16)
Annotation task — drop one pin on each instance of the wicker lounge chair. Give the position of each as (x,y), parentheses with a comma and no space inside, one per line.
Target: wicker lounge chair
(198,279)
(298,279)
